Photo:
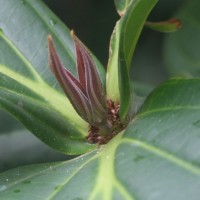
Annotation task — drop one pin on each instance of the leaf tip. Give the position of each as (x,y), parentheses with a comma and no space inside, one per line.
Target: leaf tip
(176,22)
(170,25)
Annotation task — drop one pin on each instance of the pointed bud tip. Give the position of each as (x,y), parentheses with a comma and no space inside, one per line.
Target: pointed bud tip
(51,53)
(49,38)
(74,37)
(50,44)
(72,33)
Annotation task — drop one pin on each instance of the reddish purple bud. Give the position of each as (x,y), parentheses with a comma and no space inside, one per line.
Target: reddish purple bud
(89,78)
(86,93)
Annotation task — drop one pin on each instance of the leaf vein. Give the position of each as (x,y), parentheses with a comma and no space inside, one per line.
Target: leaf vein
(168,156)
(52,30)
(51,197)
(23,59)
(158,110)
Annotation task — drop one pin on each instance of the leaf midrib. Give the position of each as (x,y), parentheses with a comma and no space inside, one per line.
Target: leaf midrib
(22,58)
(44,105)
(107,172)
(45,91)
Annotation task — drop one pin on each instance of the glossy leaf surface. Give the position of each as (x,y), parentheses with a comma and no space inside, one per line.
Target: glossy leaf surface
(28,89)
(122,45)
(157,157)
(182,48)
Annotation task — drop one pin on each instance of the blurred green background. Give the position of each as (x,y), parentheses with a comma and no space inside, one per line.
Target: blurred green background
(93,21)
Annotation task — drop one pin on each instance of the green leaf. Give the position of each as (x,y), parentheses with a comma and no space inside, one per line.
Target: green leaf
(122,46)
(157,157)
(182,48)
(121,6)
(6,119)
(28,89)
